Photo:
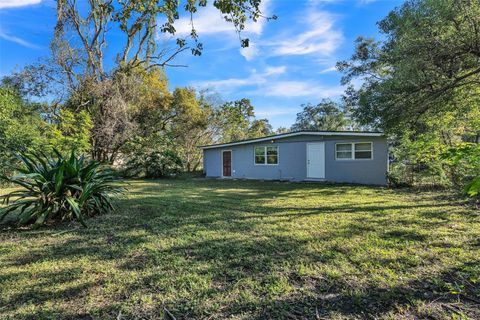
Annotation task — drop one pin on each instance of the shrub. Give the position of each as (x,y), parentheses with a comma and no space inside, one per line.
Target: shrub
(57,188)
(162,164)
(473,188)
(156,164)
(467,157)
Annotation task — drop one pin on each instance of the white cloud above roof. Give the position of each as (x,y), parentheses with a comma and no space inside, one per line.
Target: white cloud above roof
(267,83)
(209,20)
(17,3)
(17,40)
(319,36)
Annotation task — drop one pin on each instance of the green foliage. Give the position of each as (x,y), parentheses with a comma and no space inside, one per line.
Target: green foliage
(153,157)
(71,131)
(421,84)
(426,66)
(20,126)
(467,157)
(162,164)
(327,115)
(473,187)
(236,121)
(57,188)
(191,127)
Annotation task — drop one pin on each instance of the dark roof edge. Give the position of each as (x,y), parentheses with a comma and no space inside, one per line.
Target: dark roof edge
(295,133)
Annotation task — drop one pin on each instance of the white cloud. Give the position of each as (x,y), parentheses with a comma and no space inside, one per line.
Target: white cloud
(17,3)
(254,79)
(209,20)
(17,40)
(291,89)
(330,69)
(250,52)
(319,37)
(275,70)
(266,83)
(275,111)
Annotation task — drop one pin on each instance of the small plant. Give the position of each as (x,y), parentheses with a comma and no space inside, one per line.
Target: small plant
(57,188)
(473,188)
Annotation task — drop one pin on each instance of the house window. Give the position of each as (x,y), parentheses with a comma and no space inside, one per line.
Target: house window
(344,150)
(363,150)
(266,155)
(350,151)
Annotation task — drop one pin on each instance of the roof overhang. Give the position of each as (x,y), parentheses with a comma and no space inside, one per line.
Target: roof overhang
(298,133)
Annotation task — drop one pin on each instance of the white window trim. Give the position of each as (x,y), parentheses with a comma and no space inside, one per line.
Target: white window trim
(352,148)
(265,148)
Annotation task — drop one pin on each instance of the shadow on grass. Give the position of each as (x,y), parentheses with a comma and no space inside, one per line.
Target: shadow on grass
(229,234)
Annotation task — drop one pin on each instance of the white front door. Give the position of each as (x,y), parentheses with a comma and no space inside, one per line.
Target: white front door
(316,160)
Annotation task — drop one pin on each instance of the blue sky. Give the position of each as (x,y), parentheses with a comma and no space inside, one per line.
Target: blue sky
(290,60)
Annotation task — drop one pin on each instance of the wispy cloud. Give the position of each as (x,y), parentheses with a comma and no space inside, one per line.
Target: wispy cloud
(330,69)
(254,79)
(307,88)
(319,37)
(267,83)
(17,40)
(17,3)
(275,111)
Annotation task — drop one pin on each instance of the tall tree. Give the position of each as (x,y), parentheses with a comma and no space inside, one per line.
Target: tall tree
(20,126)
(235,120)
(81,74)
(190,128)
(327,115)
(83,28)
(422,84)
(259,128)
(428,65)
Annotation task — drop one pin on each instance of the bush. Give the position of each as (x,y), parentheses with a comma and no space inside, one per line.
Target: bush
(162,164)
(57,188)
(473,188)
(156,164)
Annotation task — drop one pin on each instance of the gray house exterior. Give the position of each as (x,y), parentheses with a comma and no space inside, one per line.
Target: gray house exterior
(334,156)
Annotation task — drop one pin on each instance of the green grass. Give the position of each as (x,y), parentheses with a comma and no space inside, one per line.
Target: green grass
(209,249)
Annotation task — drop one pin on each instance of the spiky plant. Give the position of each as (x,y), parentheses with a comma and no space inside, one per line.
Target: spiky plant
(57,188)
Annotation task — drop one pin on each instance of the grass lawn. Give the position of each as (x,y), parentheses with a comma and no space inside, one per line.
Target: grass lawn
(208,249)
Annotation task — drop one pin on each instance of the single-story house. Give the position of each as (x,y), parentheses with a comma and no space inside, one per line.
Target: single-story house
(336,156)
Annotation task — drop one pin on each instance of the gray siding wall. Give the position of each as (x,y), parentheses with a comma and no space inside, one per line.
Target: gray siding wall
(292,162)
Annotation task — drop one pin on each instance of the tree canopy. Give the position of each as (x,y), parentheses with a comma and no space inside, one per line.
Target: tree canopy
(428,65)
(326,115)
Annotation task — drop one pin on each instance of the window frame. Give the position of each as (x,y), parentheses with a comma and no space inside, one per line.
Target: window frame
(352,149)
(265,155)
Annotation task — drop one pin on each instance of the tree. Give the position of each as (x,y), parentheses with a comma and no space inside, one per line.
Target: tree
(422,83)
(80,76)
(281,130)
(427,65)
(235,120)
(190,128)
(326,116)
(20,126)
(81,34)
(259,128)
(70,131)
